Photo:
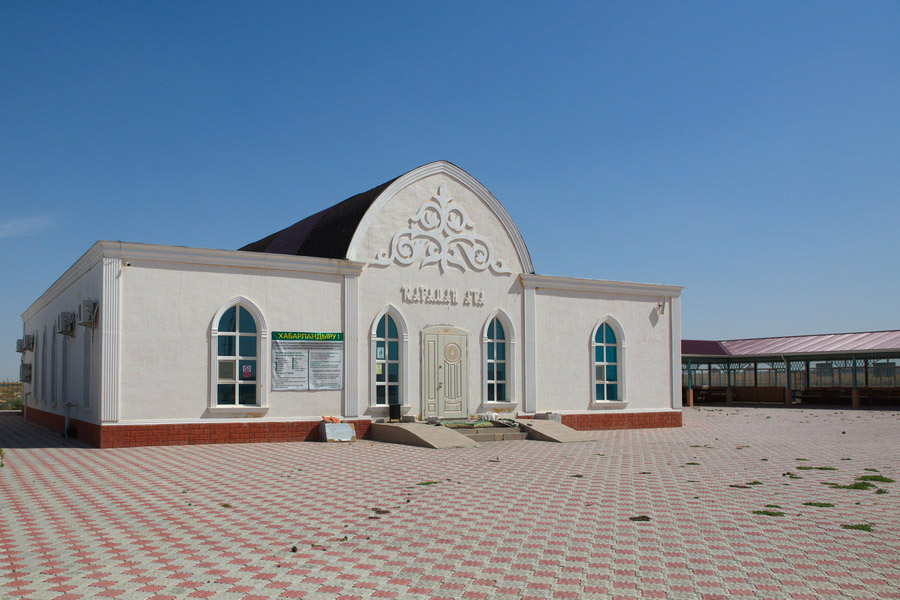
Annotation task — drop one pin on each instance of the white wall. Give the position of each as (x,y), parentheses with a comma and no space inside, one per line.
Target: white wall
(564,369)
(77,378)
(167,313)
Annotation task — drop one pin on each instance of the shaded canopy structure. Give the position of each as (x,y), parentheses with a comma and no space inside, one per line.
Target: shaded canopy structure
(858,369)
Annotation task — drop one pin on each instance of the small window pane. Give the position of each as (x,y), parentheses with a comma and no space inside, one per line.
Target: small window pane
(599,392)
(248,345)
(501,350)
(226,323)
(379,394)
(612,391)
(225,394)
(499,330)
(379,331)
(598,337)
(379,351)
(393,351)
(610,335)
(393,372)
(501,371)
(393,394)
(598,354)
(501,392)
(611,373)
(490,351)
(226,345)
(247,394)
(611,354)
(598,372)
(392,328)
(226,369)
(379,372)
(490,372)
(247,324)
(248,370)
(491,389)
(491,330)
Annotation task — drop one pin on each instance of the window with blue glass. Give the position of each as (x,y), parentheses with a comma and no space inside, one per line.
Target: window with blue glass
(387,362)
(606,364)
(237,346)
(495,359)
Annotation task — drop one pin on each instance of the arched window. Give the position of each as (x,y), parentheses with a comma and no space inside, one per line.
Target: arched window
(496,362)
(606,365)
(387,362)
(236,341)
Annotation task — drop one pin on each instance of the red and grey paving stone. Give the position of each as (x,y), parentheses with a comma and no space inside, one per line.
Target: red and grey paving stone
(506,520)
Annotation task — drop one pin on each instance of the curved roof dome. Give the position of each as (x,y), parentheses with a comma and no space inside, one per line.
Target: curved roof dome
(333,232)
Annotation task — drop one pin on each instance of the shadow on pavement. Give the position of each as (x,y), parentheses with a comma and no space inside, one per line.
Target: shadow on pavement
(16,432)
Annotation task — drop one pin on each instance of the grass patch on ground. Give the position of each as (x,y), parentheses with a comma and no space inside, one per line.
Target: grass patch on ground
(858,527)
(819,504)
(872,470)
(427,482)
(639,518)
(816,469)
(769,513)
(859,485)
(878,478)
(772,506)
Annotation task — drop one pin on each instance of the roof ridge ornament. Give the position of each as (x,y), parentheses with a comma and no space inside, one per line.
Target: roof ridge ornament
(439,234)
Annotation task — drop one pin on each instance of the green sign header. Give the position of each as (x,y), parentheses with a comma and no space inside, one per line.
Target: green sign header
(307,336)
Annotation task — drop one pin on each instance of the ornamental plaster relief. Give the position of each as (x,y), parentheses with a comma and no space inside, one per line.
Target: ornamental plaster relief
(442,233)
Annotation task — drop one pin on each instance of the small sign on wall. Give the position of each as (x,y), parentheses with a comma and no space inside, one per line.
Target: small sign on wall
(303,360)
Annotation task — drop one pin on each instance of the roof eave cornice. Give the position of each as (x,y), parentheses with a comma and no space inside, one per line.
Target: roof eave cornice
(597,286)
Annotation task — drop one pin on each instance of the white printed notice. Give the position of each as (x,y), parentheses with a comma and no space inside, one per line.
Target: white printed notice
(307,361)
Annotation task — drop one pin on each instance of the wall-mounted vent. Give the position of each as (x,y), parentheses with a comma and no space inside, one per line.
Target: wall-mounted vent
(86,313)
(65,323)
(25,373)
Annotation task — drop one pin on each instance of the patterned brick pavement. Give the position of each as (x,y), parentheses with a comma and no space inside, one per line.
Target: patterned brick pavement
(507,520)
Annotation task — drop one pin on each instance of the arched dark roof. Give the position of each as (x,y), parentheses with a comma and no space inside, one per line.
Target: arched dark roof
(326,234)
(336,231)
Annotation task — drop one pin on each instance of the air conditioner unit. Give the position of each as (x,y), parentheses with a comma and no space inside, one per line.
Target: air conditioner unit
(65,323)
(20,345)
(86,313)
(25,373)
(29,343)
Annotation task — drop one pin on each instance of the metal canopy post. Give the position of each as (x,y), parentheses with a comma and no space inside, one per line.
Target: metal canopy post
(787,381)
(854,394)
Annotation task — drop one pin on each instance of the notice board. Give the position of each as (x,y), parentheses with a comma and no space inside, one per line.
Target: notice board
(303,360)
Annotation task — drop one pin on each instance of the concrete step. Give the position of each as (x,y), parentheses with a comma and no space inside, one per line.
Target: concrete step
(470,431)
(508,435)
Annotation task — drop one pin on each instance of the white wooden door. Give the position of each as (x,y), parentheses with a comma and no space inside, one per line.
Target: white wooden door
(445,377)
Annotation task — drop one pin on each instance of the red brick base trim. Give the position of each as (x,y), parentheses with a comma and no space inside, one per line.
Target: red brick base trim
(88,433)
(635,420)
(122,436)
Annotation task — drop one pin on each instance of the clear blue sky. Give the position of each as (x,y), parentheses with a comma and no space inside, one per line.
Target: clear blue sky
(747,151)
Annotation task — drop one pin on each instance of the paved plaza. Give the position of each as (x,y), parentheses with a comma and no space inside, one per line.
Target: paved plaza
(521,519)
